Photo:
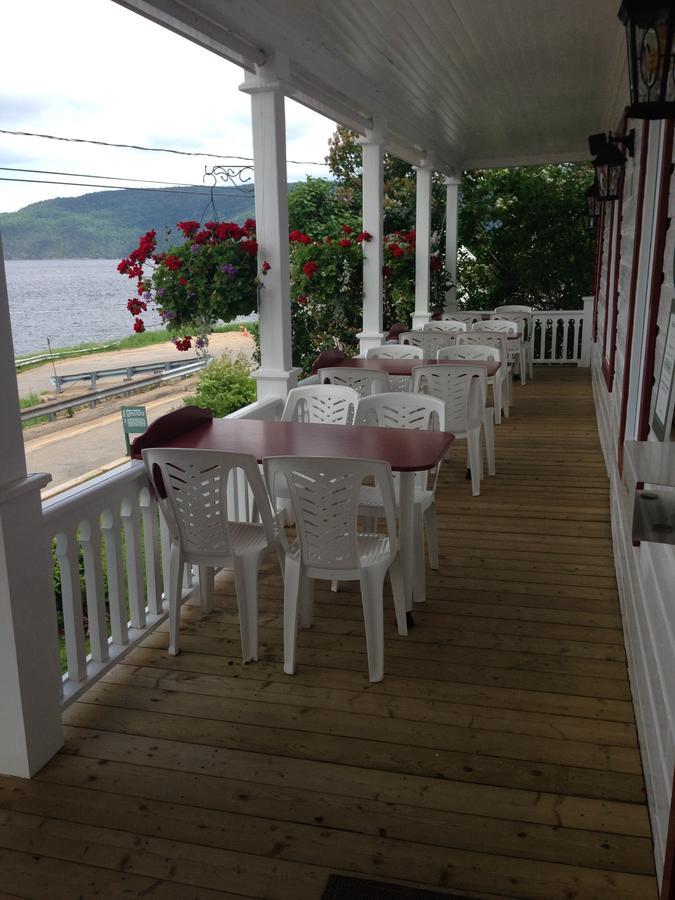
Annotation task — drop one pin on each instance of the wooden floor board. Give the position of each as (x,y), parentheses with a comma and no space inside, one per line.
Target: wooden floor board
(498,759)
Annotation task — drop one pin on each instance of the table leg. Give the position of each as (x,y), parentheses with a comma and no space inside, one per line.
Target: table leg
(406,536)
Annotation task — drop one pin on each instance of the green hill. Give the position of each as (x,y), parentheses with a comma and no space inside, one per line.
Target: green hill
(107,224)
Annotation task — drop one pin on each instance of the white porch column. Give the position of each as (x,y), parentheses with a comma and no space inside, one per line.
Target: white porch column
(373,256)
(30,672)
(451,207)
(276,374)
(422,246)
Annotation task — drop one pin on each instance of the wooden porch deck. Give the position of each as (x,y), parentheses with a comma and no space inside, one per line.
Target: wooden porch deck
(497,759)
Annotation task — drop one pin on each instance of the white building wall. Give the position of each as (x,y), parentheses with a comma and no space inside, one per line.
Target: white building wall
(645,574)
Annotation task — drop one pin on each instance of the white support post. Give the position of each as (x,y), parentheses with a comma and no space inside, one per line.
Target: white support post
(422,246)
(30,673)
(451,207)
(586,333)
(373,256)
(276,374)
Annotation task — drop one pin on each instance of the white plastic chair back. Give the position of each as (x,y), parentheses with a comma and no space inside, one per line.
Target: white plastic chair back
(504,325)
(454,386)
(324,495)
(469,352)
(192,486)
(363,381)
(414,338)
(467,316)
(324,404)
(522,321)
(495,339)
(395,351)
(446,325)
(513,308)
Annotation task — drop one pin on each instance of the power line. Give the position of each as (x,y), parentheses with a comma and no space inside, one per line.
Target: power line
(112,187)
(54,137)
(104,177)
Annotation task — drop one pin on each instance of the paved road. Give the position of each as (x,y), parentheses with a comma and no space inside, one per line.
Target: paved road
(93,441)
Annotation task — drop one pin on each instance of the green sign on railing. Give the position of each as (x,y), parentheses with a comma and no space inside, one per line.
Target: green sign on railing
(134,421)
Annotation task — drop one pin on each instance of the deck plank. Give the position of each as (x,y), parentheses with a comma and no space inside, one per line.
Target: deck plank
(497,759)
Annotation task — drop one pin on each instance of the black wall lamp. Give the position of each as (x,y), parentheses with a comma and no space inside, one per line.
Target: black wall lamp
(610,160)
(649,28)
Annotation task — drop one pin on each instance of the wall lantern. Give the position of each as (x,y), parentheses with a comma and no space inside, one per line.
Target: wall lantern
(649,36)
(590,222)
(592,201)
(609,162)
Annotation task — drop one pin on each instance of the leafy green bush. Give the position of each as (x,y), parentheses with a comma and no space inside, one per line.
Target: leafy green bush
(224,386)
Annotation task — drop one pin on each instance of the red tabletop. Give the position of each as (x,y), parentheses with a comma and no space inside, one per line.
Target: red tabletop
(405,366)
(405,450)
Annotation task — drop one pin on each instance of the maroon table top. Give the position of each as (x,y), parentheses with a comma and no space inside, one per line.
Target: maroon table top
(405,366)
(405,450)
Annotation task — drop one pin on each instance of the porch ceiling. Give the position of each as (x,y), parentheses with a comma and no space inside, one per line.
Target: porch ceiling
(467,83)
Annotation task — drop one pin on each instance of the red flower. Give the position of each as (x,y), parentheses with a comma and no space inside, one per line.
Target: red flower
(183,344)
(249,225)
(189,228)
(435,263)
(299,237)
(138,325)
(225,230)
(250,247)
(386,271)
(344,242)
(346,229)
(310,268)
(182,281)
(123,266)
(301,300)
(265,267)
(136,306)
(408,236)
(173,262)
(364,236)
(202,237)
(396,250)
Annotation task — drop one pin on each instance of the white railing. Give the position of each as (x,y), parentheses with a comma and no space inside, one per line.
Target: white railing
(560,336)
(110,548)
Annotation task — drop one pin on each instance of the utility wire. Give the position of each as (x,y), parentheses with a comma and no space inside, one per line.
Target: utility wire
(113,187)
(104,177)
(53,137)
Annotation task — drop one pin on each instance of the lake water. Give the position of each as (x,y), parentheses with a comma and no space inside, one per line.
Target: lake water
(68,301)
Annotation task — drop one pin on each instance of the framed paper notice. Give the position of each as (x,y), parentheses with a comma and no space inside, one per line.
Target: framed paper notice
(662,420)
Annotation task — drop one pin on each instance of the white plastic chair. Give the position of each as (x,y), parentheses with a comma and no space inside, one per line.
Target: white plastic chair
(464,406)
(471,350)
(523,316)
(498,340)
(507,327)
(192,489)
(324,496)
(364,381)
(431,341)
(324,404)
(395,351)
(417,412)
(445,325)
(413,338)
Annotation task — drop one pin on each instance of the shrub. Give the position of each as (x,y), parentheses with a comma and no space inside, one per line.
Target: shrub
(224,386)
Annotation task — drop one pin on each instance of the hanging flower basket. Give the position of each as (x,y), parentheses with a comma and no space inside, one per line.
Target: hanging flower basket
(211,276)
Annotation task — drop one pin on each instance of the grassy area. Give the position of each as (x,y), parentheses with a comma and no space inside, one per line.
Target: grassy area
(131,342)
(31,399)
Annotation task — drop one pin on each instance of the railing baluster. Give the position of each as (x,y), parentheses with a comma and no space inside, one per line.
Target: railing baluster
(90,536)
(153,573)
(131,521)
(539,338)
(565,323)
(113,553)
(68,555)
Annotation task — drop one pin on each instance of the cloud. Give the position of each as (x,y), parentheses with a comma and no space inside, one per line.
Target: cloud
(18,110)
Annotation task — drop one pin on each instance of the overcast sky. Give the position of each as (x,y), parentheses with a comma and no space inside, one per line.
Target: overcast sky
(91,69)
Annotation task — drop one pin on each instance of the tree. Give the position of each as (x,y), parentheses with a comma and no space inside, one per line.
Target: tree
(522,237)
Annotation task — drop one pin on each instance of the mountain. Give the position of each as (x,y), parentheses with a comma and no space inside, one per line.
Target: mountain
(107,224)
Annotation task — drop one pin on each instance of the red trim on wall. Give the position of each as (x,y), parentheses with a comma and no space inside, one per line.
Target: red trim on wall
(611,246)
(610,335)
(599,243)
(630,312)
(655,289)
